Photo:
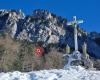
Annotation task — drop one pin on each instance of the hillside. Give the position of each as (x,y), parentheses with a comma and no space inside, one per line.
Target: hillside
(19,35)
(46,27)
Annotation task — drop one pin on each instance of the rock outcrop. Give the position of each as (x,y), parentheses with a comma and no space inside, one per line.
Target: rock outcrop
(46,27)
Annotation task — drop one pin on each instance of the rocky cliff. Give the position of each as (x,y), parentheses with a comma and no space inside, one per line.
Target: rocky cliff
(46,27)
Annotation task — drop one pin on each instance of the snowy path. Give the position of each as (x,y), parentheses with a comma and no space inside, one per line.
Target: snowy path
(73,73)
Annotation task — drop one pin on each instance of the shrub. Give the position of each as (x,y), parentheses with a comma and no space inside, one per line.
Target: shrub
(54,59)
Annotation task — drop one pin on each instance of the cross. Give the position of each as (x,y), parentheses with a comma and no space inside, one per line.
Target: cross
(75,22)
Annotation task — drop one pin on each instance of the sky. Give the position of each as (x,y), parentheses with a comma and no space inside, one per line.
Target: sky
(88,10)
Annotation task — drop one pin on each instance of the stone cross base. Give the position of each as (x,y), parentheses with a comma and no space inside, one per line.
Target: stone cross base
(76,59)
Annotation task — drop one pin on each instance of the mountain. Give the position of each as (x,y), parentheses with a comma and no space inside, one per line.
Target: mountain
(95,36)
(46,27)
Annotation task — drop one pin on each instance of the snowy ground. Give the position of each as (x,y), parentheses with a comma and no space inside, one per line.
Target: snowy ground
(72,73)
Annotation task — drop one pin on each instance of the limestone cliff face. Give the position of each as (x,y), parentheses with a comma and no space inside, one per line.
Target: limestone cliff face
(46,27)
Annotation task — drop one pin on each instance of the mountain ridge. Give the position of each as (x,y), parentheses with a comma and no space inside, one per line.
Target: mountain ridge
(46,27)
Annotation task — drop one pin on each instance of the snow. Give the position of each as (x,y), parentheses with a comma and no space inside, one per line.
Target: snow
(70,73)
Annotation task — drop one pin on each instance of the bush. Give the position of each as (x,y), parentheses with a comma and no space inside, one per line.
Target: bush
(96,63)
(54,60)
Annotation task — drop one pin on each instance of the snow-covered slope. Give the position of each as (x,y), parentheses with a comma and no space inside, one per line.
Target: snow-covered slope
(72,73)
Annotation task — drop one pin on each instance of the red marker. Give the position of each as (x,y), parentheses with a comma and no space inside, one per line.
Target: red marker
(39,51)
